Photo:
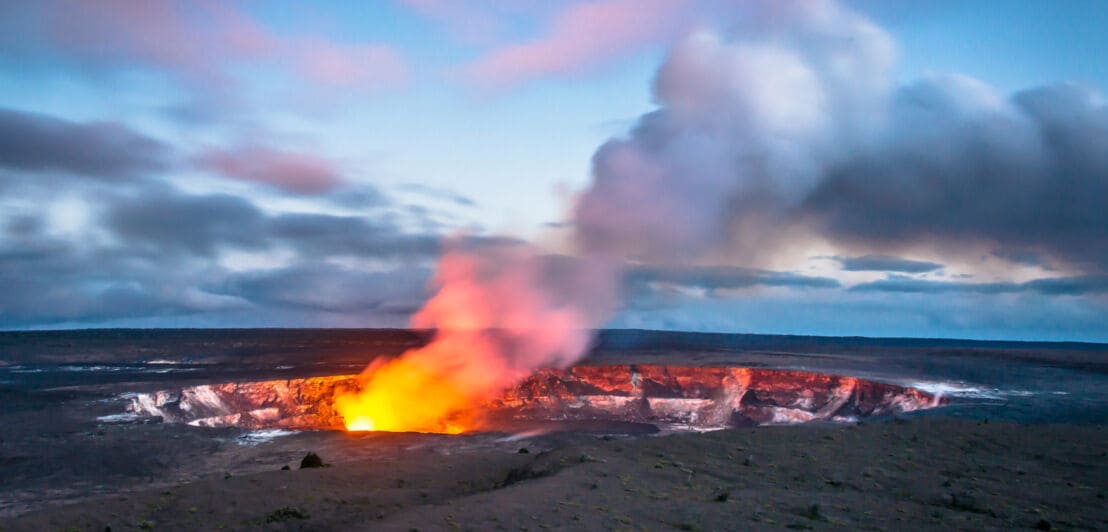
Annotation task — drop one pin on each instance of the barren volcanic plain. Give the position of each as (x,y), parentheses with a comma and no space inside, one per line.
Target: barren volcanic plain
(1002,435)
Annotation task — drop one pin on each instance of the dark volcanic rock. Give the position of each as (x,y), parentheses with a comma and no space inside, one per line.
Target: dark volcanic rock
(311,460)
(287,513)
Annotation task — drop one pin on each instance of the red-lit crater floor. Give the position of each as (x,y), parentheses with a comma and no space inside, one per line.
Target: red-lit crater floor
(665,397)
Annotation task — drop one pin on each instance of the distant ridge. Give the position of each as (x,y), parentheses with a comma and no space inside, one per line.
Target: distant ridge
(606,337)
(613,337)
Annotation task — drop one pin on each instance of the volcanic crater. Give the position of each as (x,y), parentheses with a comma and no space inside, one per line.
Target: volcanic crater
(647,398)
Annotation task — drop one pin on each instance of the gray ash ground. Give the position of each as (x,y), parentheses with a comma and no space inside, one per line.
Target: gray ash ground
(59,392)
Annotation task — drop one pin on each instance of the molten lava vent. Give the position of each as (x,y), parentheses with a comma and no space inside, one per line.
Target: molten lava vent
(671,397)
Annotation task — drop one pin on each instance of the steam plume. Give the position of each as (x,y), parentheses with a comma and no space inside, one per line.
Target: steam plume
(795,124)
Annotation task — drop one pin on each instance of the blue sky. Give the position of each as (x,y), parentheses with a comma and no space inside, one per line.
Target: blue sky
(284,164)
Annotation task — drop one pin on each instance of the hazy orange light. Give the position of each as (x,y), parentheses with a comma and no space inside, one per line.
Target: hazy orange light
(405,395)
(360,424)
(498,316)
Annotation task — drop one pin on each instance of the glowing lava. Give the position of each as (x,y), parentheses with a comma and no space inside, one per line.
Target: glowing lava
(405,394)
(360,424)
(500,313)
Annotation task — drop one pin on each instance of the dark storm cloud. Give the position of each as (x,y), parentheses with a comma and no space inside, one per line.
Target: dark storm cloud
(55,282)
(149,253)
(51,281)
(199,224)
(23,227)
(325,234)
(658,288)
(330,288)
(723,277)
(1023,257)
(885,263)
(160,267)
(1030,175)
(163,220)
(359,196)
(1087,284)
(58,284)
(34,142)
(1070,286)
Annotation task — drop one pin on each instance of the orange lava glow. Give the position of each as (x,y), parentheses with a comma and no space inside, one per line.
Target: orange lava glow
(498,317)
(403,395)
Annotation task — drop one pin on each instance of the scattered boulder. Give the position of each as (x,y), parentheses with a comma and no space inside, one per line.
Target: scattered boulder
(287,513)
(285,467)
(311,460)
(544,464)
(963,502)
